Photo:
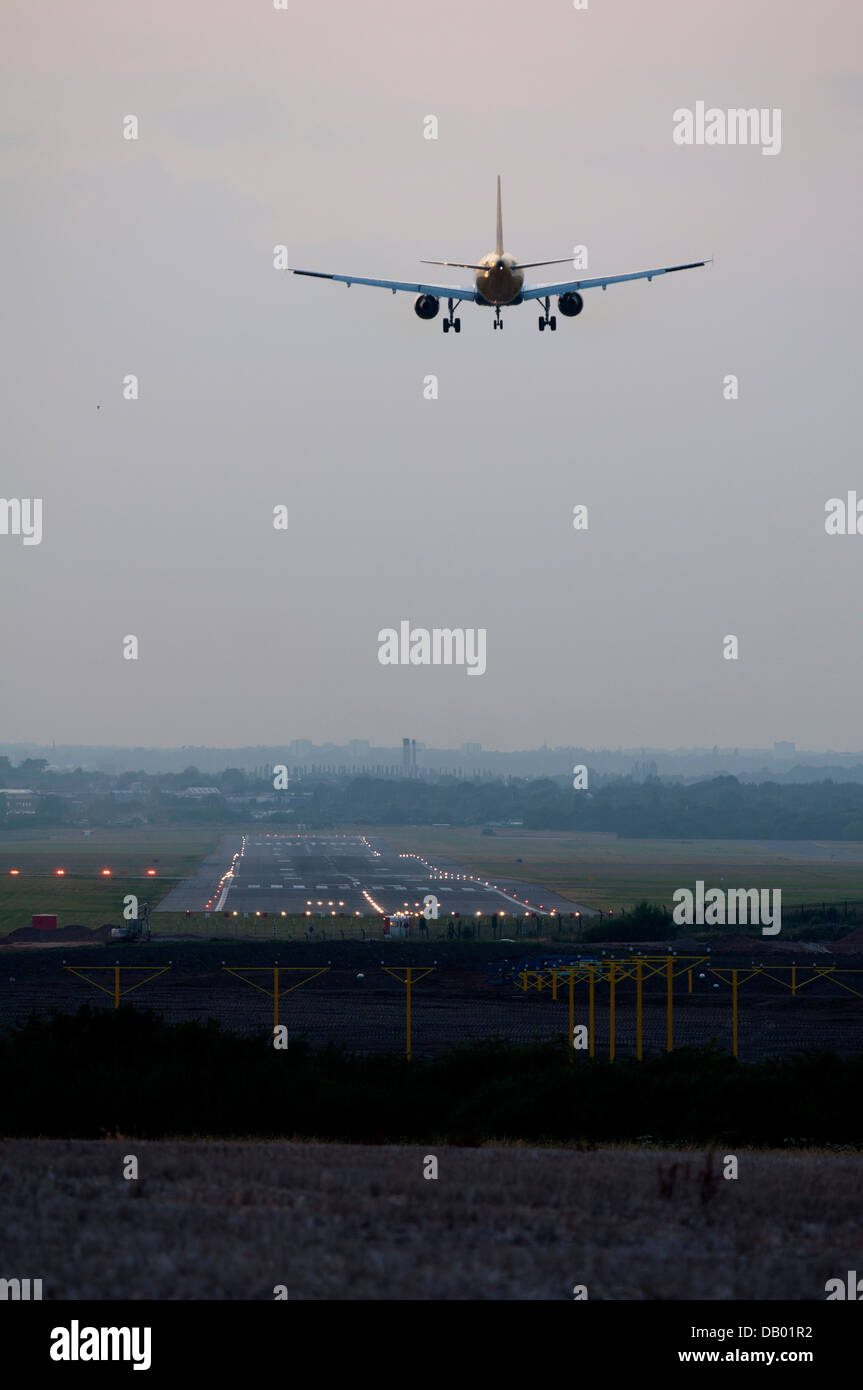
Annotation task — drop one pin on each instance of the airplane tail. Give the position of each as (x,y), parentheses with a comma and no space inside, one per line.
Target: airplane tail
(498,249)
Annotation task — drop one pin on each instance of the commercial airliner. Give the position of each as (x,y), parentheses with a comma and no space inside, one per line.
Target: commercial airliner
(499,283)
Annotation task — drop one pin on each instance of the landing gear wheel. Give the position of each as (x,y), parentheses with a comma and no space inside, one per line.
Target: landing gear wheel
(542,325)
(456,323)
(552,323)
(446,325)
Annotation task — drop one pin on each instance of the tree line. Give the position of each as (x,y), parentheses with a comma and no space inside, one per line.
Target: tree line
(644,807)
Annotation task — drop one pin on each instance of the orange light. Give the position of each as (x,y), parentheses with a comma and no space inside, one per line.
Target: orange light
(151,873)
(106,873)
(14,871)
(60,873)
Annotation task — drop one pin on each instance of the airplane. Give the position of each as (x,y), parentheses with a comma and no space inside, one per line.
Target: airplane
(499,283)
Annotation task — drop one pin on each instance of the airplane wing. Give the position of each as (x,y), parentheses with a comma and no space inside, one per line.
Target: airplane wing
(541,291)
(438,291)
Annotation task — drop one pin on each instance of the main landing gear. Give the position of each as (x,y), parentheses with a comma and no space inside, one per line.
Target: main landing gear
(451,322)
(545,321)
(498,321)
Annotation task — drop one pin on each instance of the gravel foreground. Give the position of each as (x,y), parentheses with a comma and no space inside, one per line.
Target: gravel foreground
(340,1221)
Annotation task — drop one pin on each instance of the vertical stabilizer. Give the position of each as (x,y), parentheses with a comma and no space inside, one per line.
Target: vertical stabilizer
(499,243)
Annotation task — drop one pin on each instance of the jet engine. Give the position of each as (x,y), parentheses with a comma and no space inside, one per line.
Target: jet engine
(569,304)
(426,306)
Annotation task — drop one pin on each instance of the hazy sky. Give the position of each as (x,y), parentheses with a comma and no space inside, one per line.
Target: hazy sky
(155,257)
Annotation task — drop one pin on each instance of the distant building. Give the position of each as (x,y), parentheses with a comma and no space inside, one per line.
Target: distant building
(19,801)
(471,750)
(784,750)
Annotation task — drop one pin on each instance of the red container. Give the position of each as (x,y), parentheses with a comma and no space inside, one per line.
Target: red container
(46,921)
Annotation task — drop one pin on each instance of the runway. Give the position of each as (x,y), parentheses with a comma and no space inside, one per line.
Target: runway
(334,874)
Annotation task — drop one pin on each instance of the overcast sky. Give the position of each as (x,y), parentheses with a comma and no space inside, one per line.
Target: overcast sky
(258,388)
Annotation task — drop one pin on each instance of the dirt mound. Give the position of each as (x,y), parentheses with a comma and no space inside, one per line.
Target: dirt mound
(72,933)
(850,945)
(797,948)
(740,944)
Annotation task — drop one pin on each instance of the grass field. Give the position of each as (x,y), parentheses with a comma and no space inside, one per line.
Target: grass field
(82,895)
(339,1221)
(603,871)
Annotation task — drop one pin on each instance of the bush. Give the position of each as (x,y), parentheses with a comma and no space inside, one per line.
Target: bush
(128,1072)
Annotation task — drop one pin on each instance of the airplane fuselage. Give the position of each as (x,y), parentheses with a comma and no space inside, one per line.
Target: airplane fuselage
(500,280)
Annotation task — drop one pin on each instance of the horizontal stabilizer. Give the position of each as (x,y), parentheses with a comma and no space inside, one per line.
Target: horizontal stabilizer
(462,265)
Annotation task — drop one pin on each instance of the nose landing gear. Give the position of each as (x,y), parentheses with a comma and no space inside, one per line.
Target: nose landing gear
(451,322)
(545,321)
(498,321)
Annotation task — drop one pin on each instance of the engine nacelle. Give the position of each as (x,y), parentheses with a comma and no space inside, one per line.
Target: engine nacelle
(570,304)
(426,306)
